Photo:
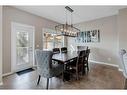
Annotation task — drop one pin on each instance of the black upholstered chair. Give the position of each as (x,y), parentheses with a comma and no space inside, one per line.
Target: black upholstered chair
(45,67)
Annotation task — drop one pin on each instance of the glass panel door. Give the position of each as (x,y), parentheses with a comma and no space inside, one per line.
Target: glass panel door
(22,46)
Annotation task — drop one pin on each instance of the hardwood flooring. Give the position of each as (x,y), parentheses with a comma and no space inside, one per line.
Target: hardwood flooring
(99,77)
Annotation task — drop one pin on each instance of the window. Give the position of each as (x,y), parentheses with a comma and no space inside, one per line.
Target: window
(48,41)
(58,41)
(51,40)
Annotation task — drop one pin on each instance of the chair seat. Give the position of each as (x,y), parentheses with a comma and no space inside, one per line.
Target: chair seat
(72,62)
(54,71)
(57,69)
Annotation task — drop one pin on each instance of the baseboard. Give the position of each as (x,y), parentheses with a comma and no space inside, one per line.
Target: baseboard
(114,65)
(6,74)
(120,70)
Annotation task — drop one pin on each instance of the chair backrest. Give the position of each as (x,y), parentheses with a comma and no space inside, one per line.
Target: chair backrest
(123,58)
(56,50)
(64,49)
(44,61)
(87,54)
(80,59)
(121,53)
(80,48)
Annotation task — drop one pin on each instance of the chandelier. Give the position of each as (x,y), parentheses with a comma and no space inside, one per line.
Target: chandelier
(67,29)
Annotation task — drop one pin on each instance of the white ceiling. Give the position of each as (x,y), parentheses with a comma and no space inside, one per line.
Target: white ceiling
(80,14)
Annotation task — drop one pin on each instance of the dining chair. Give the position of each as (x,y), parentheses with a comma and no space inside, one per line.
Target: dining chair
(77,65)
(45,67)
(86,57)
(123,58)
(56,50)
(80,48)
(64,49)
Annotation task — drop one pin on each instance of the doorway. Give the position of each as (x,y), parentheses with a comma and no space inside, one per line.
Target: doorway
(22,46)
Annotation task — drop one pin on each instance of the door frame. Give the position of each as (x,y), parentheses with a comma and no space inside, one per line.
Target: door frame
(13,43)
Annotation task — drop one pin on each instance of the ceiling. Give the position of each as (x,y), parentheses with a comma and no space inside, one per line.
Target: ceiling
(80,14)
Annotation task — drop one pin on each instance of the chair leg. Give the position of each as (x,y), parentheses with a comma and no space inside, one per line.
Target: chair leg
(77,77)
(47,83)
(125,85)
(83,70)
(63,75)
(38,80)
(87,67)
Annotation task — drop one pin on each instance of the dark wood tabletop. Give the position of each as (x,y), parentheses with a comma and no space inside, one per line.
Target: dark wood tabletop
(65,57)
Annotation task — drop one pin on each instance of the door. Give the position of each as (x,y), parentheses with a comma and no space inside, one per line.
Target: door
(22,46)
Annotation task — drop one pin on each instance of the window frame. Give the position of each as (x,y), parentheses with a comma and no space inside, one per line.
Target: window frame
(51,31)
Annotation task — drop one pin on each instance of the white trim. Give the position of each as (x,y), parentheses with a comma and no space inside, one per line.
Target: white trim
(7,74)
(114,65)
(1,55)
(13,45)
(1,83)
(120,69)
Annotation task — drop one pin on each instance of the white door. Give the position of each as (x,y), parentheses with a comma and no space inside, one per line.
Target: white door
(22,46)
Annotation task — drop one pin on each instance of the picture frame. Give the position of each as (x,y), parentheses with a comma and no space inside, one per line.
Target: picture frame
(91,36)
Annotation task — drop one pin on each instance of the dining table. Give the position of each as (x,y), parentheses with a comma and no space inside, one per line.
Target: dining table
(63,58)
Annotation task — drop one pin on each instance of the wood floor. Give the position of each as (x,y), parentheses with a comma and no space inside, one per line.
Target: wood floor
(99,77)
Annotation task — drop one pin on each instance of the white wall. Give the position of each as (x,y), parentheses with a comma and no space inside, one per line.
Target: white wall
(107,49)
(0,44)
(122,19)
(122,28)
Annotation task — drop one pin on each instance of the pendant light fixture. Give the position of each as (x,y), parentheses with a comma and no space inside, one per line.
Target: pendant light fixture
(67,29)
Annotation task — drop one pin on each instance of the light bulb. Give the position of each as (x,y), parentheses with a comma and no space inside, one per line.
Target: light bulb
(61,29)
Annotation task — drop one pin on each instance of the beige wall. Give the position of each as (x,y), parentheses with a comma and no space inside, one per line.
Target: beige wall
(113,33)
(11,14)
(0,44)
(107,49)
(122,27)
